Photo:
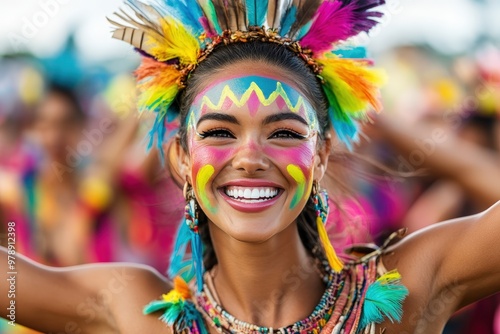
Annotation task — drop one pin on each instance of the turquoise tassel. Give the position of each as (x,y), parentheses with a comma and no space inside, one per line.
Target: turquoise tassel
(179,266)
(384,299)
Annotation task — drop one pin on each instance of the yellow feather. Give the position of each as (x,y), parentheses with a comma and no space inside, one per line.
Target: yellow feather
(176,42)
(356,86)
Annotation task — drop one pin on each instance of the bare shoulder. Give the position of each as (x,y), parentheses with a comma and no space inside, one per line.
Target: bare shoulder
(119,294)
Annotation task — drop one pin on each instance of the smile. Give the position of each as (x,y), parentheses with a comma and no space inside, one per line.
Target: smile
(251,194)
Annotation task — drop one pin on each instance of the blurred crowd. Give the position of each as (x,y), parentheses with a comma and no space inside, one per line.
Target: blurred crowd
(80,185)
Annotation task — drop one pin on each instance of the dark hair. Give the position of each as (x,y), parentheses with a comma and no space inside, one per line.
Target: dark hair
(305,81)
(267,53)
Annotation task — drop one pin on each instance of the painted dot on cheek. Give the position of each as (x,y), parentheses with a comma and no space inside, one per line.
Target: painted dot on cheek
(202,178)
(299,177)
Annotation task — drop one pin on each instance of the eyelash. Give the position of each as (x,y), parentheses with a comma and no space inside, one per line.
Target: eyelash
(278,134)
(217,133)
(288,134)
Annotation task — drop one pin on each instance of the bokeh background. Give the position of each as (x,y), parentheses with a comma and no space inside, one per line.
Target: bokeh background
(80,185)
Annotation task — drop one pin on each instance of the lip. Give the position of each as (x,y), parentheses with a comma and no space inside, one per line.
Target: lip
(250,207)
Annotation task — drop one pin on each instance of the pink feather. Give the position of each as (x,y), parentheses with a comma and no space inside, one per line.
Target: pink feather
(332,23)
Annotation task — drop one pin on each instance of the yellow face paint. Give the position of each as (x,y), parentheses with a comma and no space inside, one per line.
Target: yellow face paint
(202,178)
(299,177)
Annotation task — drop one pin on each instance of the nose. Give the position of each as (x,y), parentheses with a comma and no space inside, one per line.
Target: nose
(250,158)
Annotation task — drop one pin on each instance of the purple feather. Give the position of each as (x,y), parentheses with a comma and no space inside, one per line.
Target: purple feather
(363,14)
(338,20)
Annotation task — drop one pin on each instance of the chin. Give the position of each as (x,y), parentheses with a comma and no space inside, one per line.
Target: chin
(256,230)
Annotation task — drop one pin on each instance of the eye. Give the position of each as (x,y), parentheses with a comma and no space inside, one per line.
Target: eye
(287,134)
(216,133)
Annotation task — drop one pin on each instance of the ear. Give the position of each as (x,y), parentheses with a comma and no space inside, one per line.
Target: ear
(180,162)
(321,160)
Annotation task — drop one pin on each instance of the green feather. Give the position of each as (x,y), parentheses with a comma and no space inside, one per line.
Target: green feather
(384,299)
(209,10)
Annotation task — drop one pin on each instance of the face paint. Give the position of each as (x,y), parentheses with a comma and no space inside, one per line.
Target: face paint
(252,92)
(202,178)
(299,177)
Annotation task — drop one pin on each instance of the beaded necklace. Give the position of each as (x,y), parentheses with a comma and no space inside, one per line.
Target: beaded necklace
(355,300)
(216,316)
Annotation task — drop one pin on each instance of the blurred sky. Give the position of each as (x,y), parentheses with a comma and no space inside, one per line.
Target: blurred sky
(41,26)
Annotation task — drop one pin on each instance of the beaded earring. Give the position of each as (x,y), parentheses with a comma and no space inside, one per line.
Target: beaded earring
(191,220)
(320,200)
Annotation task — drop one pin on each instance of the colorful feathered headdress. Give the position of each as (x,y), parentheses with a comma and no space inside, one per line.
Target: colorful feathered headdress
(174,36)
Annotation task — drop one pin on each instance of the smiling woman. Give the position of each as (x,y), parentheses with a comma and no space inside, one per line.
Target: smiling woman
(259,92)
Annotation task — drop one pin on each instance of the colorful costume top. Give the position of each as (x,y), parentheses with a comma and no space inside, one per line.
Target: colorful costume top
(355,300)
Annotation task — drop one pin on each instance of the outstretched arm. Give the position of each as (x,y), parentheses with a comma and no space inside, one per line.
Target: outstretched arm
(473,259)
(83,299)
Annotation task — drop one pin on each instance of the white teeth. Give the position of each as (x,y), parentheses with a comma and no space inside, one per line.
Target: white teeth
(257,194)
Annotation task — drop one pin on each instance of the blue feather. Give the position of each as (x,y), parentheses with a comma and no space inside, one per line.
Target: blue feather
(197,250)
(179,11)
(304,30)
(345,127)
(358,52)
(155,306)
(383,299)
(179,266)
(288,20)
(256,12)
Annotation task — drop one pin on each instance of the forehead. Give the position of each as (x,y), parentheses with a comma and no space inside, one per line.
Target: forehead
(251,92)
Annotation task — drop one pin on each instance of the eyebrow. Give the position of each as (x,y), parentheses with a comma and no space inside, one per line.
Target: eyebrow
(218,117)
(283,117)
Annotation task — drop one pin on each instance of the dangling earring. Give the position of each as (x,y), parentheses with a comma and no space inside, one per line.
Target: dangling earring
(191,219)
(320,200)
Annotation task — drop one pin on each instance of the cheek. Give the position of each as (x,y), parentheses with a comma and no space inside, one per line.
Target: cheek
(299,165)
(206,163)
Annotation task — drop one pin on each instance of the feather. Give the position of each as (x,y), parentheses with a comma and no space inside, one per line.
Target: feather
(179,266)
(157,86)
(337,21)
(178,10)
(305,13)
(222,14)
(384,299)
(176,43)
(256,12)
(143,11)
(345,128)
(288,20)
(211,14)
(277,10)
(134,37)
(355,85)
(363,15)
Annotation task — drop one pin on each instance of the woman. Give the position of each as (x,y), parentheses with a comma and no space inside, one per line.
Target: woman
(253,145)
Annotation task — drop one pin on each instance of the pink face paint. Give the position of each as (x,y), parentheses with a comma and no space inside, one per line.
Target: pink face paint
(252,92)
(300,166)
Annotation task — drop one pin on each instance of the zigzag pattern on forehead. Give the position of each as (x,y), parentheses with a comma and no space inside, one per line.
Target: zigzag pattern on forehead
(253,95)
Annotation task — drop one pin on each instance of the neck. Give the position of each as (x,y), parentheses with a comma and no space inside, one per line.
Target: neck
(270,284)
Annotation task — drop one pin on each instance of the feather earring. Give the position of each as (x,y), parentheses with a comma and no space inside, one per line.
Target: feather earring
(191,220)
(320,200)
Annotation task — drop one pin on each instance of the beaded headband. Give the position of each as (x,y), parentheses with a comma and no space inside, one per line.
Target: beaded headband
(174,36)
